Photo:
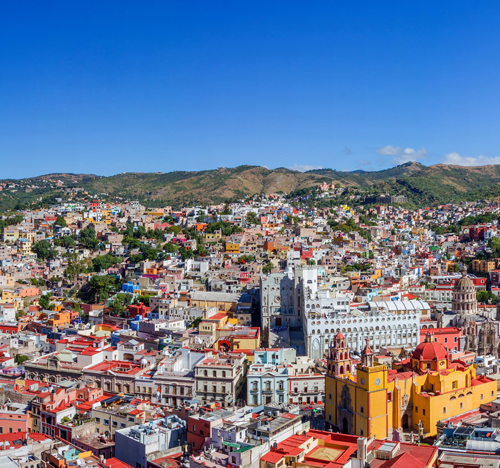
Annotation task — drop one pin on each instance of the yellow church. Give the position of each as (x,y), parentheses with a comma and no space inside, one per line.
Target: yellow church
(414,395)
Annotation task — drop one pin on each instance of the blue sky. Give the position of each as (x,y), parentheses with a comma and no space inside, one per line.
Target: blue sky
(107,87)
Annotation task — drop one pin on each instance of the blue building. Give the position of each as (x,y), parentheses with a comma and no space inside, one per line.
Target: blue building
(130,287)
(268,376)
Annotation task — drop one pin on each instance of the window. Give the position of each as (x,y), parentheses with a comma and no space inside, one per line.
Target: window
(330,396)
(362,410)
(389,396)
(131,419)
(98,420)
(122,425)
(361,433)
(423,412)
(444,410)
(481,396)
(115,424)
(492,393)
(106,422)
(446,340)
(416,409)
(454,384)
(461,405)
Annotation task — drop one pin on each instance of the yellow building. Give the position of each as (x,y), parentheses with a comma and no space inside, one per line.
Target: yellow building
(414,395)
(232,247)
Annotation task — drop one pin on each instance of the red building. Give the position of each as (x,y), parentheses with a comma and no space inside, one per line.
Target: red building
(134,310)
(9,329)
(448,337)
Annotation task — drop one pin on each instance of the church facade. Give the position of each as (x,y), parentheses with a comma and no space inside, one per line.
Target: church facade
(372,400)
(480,332)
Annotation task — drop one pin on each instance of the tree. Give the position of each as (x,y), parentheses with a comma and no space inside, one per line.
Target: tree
(60,221)
(102,286)
(20,358)
(311,262)
(88,238)
(105,261)
(44,301)
(74,268)
(117,306)
(148,252)
(143,299)
(494,244)
(252,218)
(44,250)
(196,322)
(65,241)
(266,269)
(185,253)
(169,247)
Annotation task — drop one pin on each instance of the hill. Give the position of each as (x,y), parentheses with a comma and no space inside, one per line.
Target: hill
(421,184)
(212,186)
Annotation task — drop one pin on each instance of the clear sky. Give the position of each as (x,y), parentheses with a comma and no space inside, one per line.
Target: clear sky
(112,86)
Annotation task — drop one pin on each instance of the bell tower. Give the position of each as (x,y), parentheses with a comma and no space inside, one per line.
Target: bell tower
(367,356)
(339,360)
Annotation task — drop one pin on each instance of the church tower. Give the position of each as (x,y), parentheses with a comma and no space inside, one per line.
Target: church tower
(367,356)
(464,300)
(339,360)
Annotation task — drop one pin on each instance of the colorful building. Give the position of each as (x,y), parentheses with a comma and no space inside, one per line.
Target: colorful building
(414,395)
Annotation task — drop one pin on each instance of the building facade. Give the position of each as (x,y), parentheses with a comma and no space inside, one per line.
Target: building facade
(414,395)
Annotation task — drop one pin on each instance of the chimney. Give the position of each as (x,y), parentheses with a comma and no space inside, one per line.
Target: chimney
(362,450)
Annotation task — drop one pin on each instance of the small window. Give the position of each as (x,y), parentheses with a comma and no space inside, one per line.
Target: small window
(444,410)
(362,410)
(98,420)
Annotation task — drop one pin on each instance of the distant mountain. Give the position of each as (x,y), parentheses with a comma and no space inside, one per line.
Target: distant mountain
(421,184)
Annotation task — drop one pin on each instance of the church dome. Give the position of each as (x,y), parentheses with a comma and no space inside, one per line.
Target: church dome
(429,351)
(464,284)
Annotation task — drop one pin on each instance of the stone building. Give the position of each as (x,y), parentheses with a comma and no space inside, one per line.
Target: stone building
(480,331)
(464,300)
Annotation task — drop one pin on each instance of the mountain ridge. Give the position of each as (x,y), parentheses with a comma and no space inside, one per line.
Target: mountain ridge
(439,183)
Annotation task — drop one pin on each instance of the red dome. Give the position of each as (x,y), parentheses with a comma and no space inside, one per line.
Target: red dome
(429,351)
